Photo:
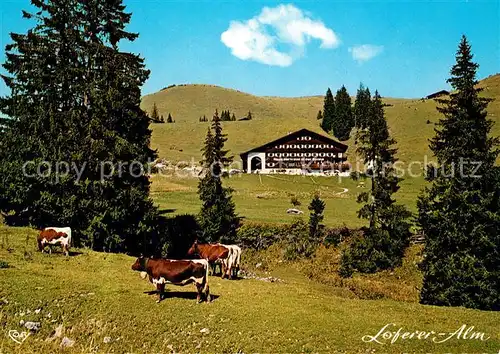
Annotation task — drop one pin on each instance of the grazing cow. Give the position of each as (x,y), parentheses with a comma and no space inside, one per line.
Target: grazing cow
(53,236)
(212,253)
(234,258)
(177,272)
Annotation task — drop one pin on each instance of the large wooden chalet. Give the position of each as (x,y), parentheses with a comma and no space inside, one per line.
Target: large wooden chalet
(303,151)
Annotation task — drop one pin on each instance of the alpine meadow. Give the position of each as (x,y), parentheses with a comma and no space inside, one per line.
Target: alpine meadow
(240,177)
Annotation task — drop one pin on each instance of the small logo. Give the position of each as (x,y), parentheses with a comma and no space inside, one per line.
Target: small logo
(17,337)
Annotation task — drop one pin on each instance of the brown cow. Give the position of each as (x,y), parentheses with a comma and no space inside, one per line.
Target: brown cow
(177,272)
(213,253)
(53,236)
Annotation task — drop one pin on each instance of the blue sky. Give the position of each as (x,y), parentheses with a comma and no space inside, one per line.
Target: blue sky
(401,48)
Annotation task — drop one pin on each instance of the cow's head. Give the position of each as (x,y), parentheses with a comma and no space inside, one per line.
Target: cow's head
(193,251)
(140,264)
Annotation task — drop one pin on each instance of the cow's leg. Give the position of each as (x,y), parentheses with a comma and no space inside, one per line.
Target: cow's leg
(160,288)
(199,290)
(223,270)
(65,250)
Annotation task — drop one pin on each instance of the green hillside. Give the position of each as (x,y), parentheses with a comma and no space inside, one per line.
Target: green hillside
(276,116)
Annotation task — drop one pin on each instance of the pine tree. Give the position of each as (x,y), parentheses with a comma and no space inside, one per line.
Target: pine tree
(217,217)
(460,212)
(362,106)
(249,115)
(320,115)
(317,208)
(328,112)
(383,243)
(155,116)
(343,121)
(233,118)
(75,98)
(169,118)
(162,120)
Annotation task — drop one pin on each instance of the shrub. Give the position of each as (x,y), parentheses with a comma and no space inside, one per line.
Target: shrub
(4,264)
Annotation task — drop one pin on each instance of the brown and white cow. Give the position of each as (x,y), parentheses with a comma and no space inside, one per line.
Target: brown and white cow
(55,236)
(177,272)
(213,253)
(234,258)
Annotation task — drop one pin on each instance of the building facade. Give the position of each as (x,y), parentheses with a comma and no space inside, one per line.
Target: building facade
(301,152)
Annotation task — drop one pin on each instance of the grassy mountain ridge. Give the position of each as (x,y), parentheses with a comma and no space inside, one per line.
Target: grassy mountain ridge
(276,116)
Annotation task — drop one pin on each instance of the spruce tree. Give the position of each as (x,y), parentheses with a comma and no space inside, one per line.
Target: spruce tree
(169,118)
(217,217)
(460,212)
(343,121)
(249,115)
(362,106)
(75,99)
(155,116)
(316,208)
(328,112)
(320,115)
(384,241)
(233,118)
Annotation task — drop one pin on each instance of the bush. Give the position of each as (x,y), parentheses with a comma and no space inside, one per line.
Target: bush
(4,264)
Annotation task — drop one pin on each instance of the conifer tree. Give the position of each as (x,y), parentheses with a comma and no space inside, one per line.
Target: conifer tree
(162,120)
(155,116)
(217,217)
(362,106)
(383,243)
(249,115)
(317,208)
(320,115)
(328,112)
(460,212)
(75,99)
(169,118)
(233,117)
(343,121)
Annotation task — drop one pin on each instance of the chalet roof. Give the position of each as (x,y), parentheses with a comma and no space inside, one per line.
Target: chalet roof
(437,94)
(300,132)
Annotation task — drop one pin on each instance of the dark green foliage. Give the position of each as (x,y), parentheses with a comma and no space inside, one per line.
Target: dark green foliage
(233,118)
(383,243)
(316,208)
(295,201)
(75,99)
(4,264)
(320,115)
(203,119)
(249,115)
(460,212)
(298,243)
(155,116)
(162,120)
(217,217)
(343,120)
(328,112)
(170,119)
(361,111)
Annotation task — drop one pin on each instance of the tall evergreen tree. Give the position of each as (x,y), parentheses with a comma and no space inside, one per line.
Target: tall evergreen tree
(320,115)
(169,118)
(328,112)
(155,116)
(383,243)
(75,99)
(217,217)
(317,207)
(249,115)
(233,117)
(362,104)
(460,212)
(343,121)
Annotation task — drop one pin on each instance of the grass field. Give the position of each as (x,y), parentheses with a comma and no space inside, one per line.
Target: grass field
(276,116)
(266,198)
(96,295)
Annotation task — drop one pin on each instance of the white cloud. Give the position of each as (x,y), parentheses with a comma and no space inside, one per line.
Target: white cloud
(252,40)
(365,52)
